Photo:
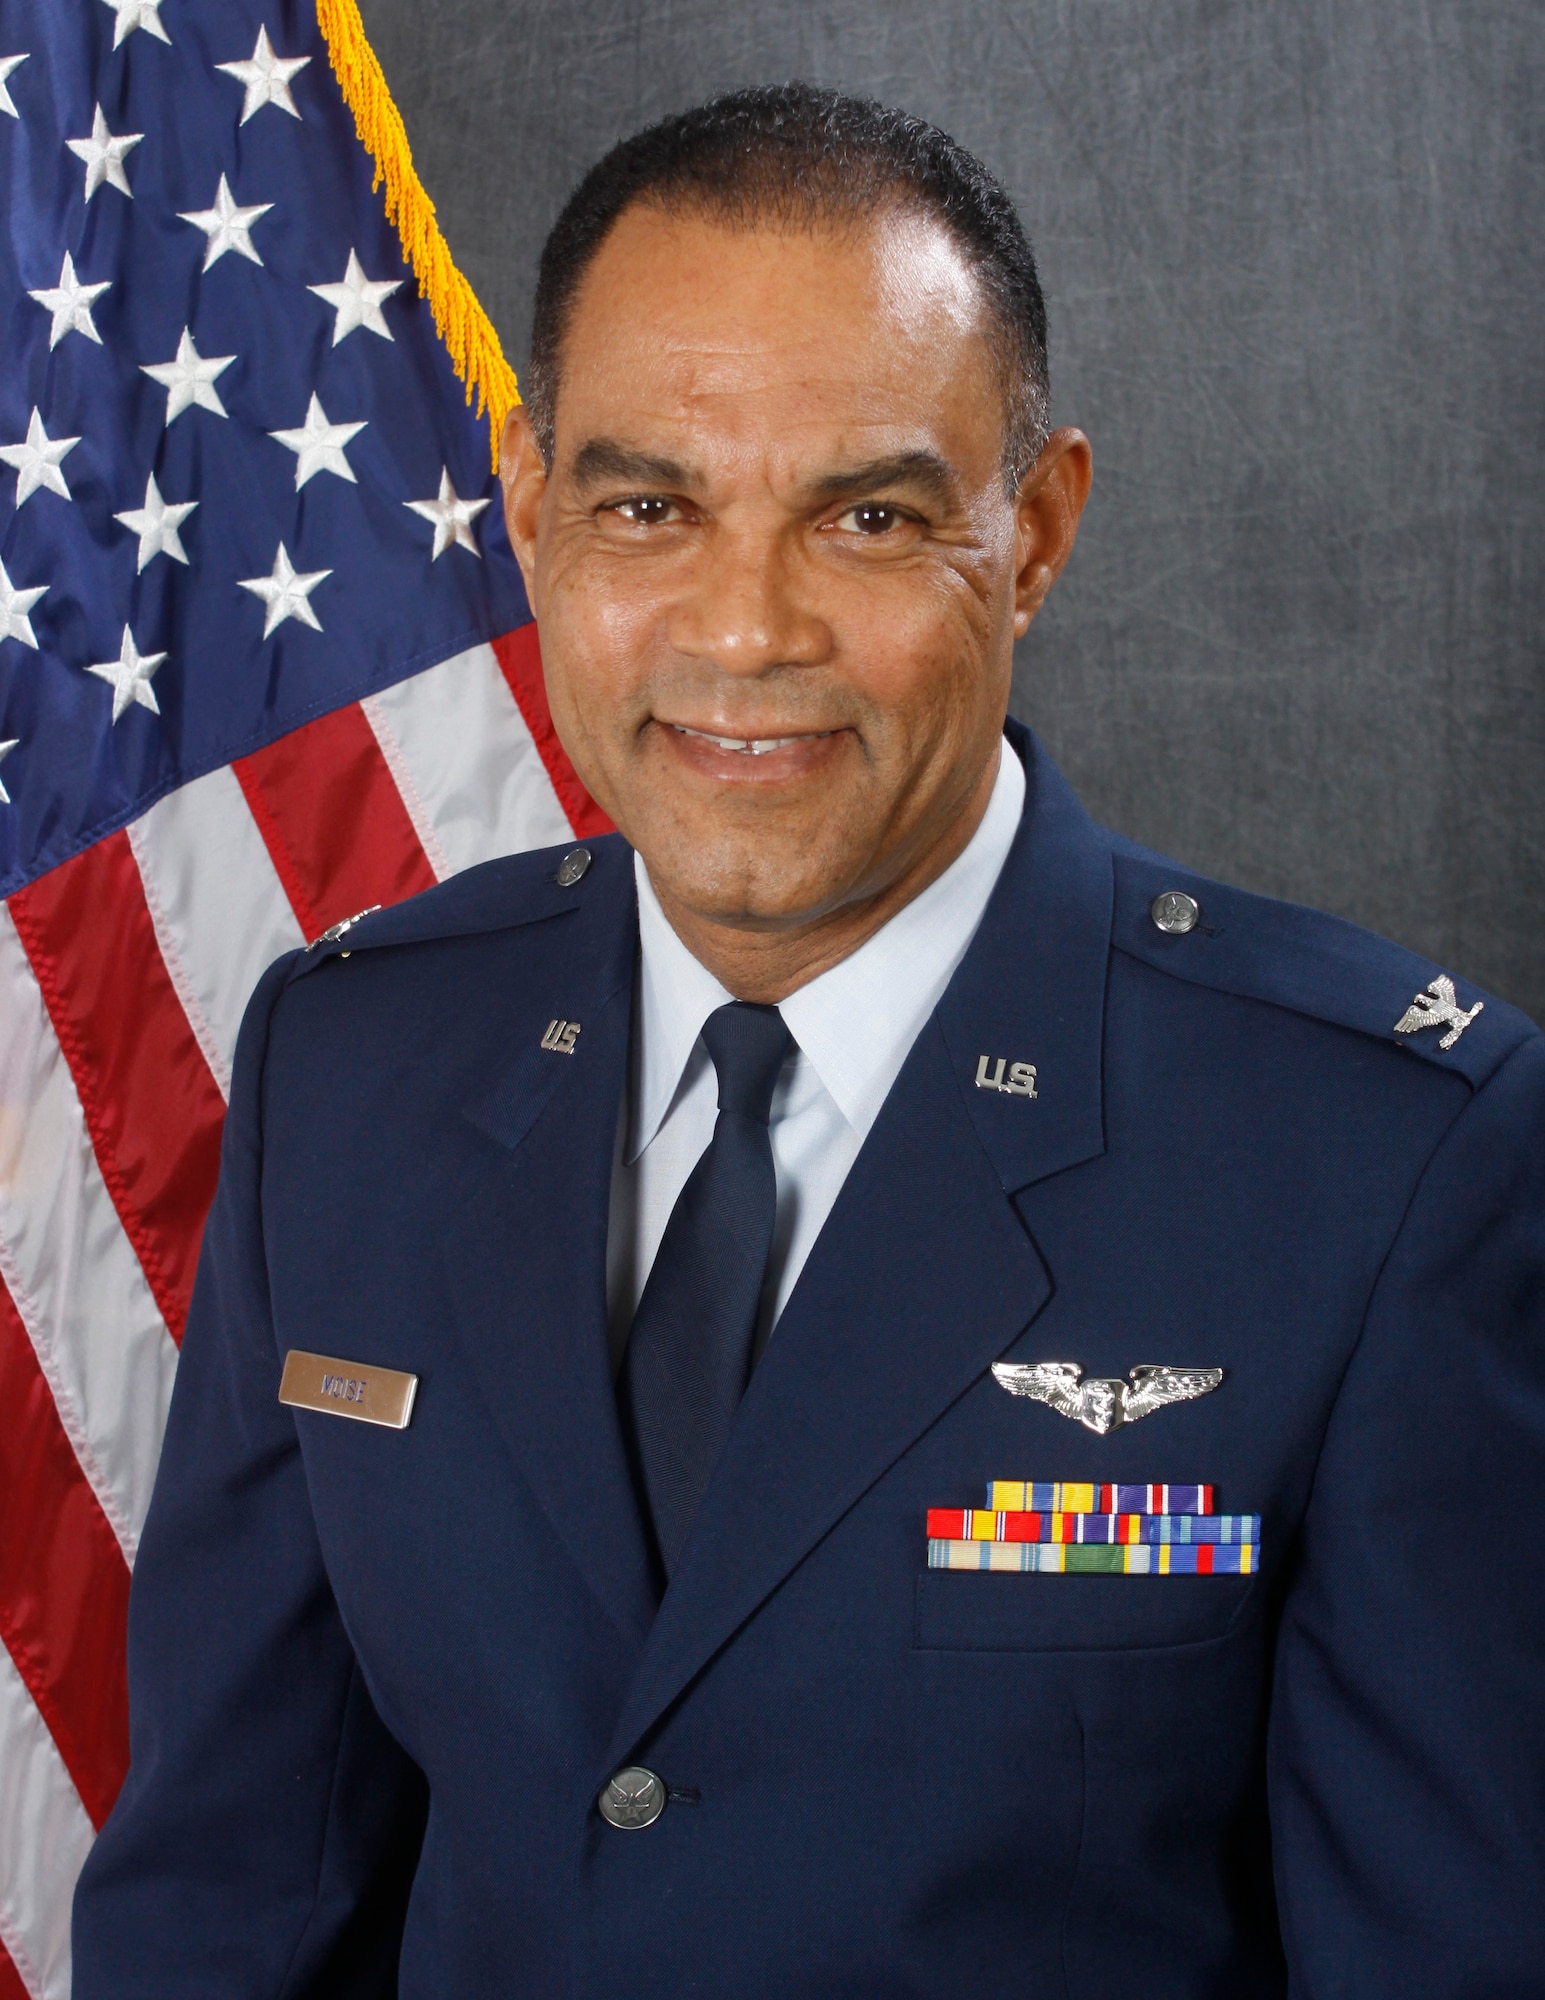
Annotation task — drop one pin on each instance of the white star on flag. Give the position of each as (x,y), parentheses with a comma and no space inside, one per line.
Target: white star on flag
(156,524)
(318,445)
(104,154)
(37,461)
(129,676)
(266,76)
(286,592)
(70,303)
(7,64)
(357,300)
(5,751)
(134,14)
(190,378)
(227,226)
(14,606)
(453,517)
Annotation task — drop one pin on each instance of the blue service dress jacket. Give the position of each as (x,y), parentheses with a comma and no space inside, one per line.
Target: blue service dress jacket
(379,1677)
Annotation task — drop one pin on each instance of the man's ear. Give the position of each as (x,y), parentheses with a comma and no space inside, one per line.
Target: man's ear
(1047,507)
(523,475)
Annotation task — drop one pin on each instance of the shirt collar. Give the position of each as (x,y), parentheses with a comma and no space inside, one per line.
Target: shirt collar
(677,994)
(855,1022)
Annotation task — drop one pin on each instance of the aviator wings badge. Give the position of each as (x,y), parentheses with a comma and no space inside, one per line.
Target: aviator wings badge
(1438,1007)
(1103,1404)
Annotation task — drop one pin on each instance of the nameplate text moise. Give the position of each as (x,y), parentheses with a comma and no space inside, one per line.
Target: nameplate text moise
(348,1389)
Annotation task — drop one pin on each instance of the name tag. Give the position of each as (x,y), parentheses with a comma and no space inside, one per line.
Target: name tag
(348,1389)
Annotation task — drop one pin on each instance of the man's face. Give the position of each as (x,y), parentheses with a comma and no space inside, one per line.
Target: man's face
(774,567)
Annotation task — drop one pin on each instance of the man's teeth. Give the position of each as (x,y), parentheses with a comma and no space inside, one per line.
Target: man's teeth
(748,746)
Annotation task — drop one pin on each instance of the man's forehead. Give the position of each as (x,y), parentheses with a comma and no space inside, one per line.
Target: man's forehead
(703,287)
(848,346)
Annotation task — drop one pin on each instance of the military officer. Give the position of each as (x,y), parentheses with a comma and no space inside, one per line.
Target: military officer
(863,1388)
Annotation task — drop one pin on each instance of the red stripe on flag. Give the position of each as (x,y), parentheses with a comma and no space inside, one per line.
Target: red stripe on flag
(64,1585)
(11,1987)
(333,820)
(152,1108)
(519,654)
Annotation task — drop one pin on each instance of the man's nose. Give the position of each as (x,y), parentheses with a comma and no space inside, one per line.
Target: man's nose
(747,609)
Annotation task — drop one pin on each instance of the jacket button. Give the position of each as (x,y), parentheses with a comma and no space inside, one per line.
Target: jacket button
(1175,912)
(572,867)
(632,1799)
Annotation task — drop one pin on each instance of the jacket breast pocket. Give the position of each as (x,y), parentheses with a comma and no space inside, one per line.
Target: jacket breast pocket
(1002,1612)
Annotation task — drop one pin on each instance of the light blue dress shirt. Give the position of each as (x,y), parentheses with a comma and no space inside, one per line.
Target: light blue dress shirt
(853,1026)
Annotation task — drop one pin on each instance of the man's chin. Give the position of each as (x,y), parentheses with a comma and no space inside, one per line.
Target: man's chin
(770,885)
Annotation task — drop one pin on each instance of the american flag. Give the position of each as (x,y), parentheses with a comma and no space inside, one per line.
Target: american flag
(265,660)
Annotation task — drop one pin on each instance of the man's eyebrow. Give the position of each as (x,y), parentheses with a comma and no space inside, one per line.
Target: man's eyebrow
(923,469)
(603,461)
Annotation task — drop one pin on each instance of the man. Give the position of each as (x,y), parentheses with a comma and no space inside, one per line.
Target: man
(735,1203)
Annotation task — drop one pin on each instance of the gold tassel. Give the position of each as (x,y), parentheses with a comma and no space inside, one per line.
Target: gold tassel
(466,329)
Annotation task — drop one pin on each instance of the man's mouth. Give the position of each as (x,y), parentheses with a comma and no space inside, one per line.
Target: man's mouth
(749,746)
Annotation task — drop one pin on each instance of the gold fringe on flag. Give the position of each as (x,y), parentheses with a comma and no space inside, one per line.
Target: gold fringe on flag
(465,328)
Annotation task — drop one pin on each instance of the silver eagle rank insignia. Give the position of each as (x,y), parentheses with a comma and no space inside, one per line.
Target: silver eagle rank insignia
(1104,1403)
(335,931)
(1438,1007)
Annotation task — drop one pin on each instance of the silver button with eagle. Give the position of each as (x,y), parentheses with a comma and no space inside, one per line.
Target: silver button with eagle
(1175,912)
(632,1799)
(572,867)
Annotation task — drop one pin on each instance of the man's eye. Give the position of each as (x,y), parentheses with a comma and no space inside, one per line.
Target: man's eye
(646,510)
(871,518)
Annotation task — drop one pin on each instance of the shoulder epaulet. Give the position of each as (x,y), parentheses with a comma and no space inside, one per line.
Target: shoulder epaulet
(1290,956)
(502,894)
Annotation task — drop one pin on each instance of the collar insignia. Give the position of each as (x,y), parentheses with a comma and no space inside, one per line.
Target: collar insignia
(1438,1007)
(1020,1081)
(335,931)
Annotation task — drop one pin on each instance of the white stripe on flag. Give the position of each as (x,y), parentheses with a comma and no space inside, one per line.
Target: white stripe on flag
(45,1837)
(396,761)
(103,1347)
(478,778)
(176,971)
(220,911)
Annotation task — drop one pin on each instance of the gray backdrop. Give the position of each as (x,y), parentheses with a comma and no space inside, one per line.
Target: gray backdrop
(1290,249)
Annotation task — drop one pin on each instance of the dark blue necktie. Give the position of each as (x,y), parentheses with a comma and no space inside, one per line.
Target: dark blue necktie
(688,1356)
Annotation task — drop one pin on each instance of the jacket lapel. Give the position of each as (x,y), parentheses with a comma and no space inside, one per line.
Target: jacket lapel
(1032,987)
(924,1273)
(526,1249)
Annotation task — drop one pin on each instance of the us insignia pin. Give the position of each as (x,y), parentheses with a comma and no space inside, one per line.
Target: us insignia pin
(1020,1081)
(1438,1007)
(1104,1403)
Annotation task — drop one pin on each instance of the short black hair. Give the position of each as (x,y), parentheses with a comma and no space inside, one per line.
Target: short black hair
(793,156)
